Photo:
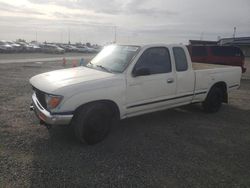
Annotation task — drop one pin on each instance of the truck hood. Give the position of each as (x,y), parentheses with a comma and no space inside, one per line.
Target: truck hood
(51,81)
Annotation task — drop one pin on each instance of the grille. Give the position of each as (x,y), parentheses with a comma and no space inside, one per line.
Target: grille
(41,97)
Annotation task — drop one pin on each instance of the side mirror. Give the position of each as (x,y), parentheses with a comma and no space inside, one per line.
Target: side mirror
(141,72)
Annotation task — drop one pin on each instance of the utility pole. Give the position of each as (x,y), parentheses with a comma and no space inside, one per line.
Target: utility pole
(61,37)
(202,34)
(115,34)
(234,35)
(69,35)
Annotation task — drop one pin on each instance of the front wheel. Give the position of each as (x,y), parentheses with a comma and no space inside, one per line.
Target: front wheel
(92,123)
(213,101)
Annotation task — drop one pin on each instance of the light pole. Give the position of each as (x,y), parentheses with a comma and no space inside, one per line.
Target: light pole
(115,33)
(234,35)
(69,35)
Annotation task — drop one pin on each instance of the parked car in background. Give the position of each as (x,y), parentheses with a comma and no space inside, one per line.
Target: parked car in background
(72,48)
(97,48)
(20,45)
(85,49)
(36,48)
(15,47)
(26,47)
(82,49)
(223,55)
(69,48)
(5,47)
(50,48)
(92,50)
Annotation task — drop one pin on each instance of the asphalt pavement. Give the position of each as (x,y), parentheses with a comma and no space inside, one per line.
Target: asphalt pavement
(41,57)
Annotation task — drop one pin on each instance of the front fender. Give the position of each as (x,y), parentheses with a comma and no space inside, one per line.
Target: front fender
(115,94)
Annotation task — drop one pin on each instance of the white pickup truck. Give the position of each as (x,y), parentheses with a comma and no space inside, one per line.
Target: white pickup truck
(124,81)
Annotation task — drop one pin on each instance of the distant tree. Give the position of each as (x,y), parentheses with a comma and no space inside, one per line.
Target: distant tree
(20,40)
(88,44)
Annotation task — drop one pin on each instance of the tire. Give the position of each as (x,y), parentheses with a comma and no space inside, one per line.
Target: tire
(213,101)
(92,123)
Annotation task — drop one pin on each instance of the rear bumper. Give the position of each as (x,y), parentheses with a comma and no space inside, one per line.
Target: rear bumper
(45,116)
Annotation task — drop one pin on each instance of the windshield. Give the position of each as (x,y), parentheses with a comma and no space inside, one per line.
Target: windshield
(114,58)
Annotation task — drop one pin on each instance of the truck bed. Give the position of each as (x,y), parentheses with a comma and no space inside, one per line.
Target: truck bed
(203,66)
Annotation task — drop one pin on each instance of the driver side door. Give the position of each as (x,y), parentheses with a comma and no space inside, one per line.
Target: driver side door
(152,83)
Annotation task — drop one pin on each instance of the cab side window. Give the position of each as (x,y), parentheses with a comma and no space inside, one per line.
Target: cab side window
(156,60)
(180,59)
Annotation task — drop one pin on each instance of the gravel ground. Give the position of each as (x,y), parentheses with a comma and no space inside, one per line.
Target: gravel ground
(182,147)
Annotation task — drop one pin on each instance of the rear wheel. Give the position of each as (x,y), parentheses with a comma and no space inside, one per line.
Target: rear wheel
(213,101)
(92,123)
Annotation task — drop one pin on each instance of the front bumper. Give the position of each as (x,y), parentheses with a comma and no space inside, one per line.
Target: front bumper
(45,116)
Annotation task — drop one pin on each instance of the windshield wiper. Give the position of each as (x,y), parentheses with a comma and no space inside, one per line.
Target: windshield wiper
(104,68)
(99,66)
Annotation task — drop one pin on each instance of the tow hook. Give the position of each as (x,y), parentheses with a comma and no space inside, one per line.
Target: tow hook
(31,107)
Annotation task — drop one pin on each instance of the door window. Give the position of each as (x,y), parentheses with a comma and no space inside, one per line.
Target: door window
(155,60)
(180,59)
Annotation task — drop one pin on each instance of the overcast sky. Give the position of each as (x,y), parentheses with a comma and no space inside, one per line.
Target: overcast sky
(136,21)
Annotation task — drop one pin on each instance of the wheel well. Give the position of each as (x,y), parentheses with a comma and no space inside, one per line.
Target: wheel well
(110,104)
(223,87)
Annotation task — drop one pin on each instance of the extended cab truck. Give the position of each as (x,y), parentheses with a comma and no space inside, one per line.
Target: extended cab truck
(124,81)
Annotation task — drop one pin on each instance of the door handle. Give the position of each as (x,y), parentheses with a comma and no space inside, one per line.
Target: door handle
(170,80)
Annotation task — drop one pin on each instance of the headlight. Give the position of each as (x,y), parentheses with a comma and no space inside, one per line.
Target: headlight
(53,100)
